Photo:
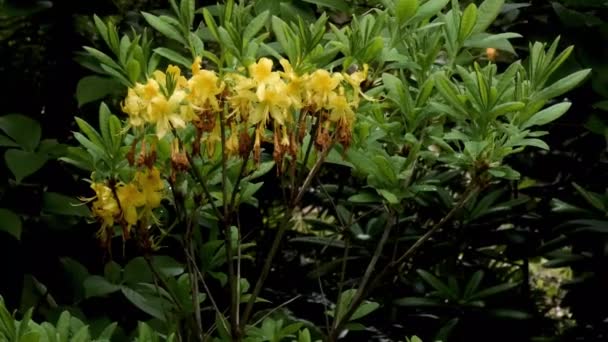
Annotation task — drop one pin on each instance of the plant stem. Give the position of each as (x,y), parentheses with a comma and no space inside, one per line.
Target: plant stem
(234,326)
(279,236)
(199,176)
(362,291)
(359,294)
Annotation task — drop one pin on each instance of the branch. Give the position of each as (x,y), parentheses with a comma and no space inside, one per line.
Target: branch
(360,295)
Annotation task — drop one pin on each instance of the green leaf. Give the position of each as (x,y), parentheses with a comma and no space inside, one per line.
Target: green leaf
(417,302)
(167,266)
(254,26)
(592,198)
(211,24)
(90,132)
(173,56)
(133,70)
(547,115)
(494,290)
(364,309)
(338,5)
(108,332)
(364,197)
(510,314)
(473,284)
(405,9)
(7,142)
(23,163)
(82,335)
(101,28)
(93,88)
(137,271)
(486,14)
(113,272)
(562,86)
(388,196)
(55,203)
(163,27)
(438,285)
(102,58)
(467,22)
(153,306)
(97,286)
(10,223)
(429,9)
(23,130)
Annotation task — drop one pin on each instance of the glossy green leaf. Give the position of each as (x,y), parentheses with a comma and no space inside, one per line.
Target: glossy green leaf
(467,22)
(59,204)
(163,27)
(23,130)
(23,163)
(10,223)
(338,5)
(173,56)
(547,115)
(97,286)
(487,13)
(405,9)
(438,285)
(428,10)
(93,88)
(562,86)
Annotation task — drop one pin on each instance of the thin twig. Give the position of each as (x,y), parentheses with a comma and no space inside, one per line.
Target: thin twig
(235,331)
(275,309)
(209,294)
(279,236)
(366,278)
(360,295)
(199,176)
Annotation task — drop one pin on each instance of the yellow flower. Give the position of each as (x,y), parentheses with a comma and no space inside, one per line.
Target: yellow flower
(295,85)
(340,109)
(167,112)
(273,102)
(261,72)
(204,87)
(151,185)
(243,97)
(171,79)
(130,199)
(355,79)
(134,106)
(320,84)
(105,207)
(342,114)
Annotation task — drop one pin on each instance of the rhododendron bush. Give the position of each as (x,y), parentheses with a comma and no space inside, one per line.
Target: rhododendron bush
(237,132)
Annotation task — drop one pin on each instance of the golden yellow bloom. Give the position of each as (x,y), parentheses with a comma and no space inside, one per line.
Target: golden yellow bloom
(130,199)
(167,112)
(320,84)
(273,102)
(355,79)
(232,143)
(261,72)
(137,101)
(243,97)
(295,85)
(151,185)
(179,81)
(105,207)
(204,87)
(340,109)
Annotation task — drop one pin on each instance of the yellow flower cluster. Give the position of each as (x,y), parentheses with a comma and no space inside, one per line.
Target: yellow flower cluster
(170,101)
(128,203)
